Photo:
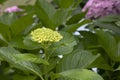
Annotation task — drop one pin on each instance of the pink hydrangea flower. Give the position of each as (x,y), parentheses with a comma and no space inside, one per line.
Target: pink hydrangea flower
(99,8)
(12,9)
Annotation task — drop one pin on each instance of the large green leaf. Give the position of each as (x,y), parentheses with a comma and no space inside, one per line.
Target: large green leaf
(31,44)
(77,59)
(109,18)
(76,18)
(109,26)
(8,54)
(60,16)
(64,3)
(101,63)
(5,32)
(23,43)
(21,24)
(89,40)
(45,12)
(31,58)
(73,27)
(8,18)
(118,68)
(21,77)
(49,68)
(27,8)
(77,2)
(109,44)
(65,46)
(79,74)
(17,42)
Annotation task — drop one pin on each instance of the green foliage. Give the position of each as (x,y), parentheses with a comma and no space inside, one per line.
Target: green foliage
(2,1)
(45,11)
(23,59)
(109,22)
(107,31)
(65,46)
(10,56)
(108,41)
(17,27)
(31,58)
(101,63)
(65,3)
(19,77)
(76,18)
(8,19)
(72,28)
(79,74)
(76,60)
(5,32)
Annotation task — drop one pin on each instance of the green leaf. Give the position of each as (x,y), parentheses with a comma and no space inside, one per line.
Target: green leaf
(100,63)
(109,18)
(32,27)
(79,74)
(5,32)
(65,46)
(109,44)
(31,58)
(8,18)
(89,40)
(31,44)
(72,28)
(76,18)
(117,23)
(49,68)
(8,54)
(17,42)
(2,1)
(65,3)
(23,43)
(27,8)
(4,77)
(109,26)
(77,59)
(21,24)
(118,50)
(60,16)
(45,12)
(118,69)
(21,77)
(77,3)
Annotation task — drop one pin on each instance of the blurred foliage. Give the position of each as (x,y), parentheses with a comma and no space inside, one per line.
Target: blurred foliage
(23,59)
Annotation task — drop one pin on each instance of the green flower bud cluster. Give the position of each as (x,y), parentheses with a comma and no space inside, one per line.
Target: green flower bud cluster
(45,35)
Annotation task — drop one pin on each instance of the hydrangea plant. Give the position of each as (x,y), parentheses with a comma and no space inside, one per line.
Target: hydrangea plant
(31,45)
(99,8)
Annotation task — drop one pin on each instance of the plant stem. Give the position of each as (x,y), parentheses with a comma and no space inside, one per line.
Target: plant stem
(46,77)
(45,46)
(45,67)
(42,78)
